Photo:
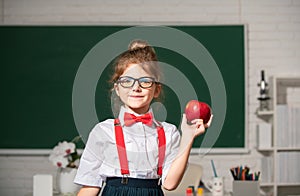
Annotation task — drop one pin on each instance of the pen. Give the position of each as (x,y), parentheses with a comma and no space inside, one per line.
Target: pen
(257,176)
(240,172)
(214,169)
(243,177)
(233,174)
(247,170)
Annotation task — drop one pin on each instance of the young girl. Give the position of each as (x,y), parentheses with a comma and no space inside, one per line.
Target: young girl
(135,154)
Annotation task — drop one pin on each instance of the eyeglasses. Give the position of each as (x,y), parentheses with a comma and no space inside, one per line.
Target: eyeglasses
(128,82)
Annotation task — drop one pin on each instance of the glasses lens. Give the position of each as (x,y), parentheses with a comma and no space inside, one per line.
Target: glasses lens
(146,82)
(126,82)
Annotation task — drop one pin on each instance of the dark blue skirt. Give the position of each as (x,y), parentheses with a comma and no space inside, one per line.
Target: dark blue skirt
(134,187)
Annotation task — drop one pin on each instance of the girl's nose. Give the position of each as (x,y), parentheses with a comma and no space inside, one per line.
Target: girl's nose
(136,86)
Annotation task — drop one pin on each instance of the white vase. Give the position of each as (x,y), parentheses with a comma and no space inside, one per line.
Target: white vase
(65,182)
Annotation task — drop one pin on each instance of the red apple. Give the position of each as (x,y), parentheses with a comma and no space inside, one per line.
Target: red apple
(195,109)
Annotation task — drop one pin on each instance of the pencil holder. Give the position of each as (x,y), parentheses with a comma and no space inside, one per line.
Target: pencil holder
(245,188)
(216,186)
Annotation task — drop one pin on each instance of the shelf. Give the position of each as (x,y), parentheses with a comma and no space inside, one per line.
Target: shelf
(283,149)
(265,149)
(284,184)
(265,115)
(265,112)
(275,156)
(280,184)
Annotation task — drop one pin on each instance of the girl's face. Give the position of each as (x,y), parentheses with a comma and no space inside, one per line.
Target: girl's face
(136,98)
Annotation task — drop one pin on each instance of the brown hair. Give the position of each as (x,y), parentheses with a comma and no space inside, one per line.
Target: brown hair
(139,52)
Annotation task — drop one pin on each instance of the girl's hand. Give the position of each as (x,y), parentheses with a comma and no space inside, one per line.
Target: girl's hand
(196,128)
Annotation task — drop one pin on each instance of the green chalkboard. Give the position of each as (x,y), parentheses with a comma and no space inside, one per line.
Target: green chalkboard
(39,65)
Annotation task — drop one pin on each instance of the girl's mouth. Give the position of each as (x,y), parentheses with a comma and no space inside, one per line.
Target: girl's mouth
(136,96)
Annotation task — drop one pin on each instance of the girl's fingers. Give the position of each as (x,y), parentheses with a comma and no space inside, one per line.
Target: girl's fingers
(197,121)
(184,118)
(209,122)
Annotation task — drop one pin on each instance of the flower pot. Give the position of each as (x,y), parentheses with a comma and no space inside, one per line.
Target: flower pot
(65,182)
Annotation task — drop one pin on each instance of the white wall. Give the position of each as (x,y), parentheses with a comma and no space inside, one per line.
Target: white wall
(273,45)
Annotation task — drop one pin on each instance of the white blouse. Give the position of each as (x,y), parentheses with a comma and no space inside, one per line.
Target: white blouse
(100,156)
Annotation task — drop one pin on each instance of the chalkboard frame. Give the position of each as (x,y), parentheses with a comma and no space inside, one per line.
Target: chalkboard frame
(195,150)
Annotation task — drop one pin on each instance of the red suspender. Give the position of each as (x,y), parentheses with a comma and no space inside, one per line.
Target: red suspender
(161,149)
(122,148)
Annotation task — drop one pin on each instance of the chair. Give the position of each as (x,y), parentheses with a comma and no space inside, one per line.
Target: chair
(192,177)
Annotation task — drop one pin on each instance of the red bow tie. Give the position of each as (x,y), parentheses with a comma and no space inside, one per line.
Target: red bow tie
(130,119)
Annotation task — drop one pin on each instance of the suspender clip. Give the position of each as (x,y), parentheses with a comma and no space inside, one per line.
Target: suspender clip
(159,182)
(124,179)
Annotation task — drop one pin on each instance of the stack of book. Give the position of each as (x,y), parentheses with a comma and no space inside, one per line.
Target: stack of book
(288,137)
(288,126)
(264,135)
(267,169)
(288,167)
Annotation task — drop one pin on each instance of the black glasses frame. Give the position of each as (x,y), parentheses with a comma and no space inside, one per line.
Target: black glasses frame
(119,81)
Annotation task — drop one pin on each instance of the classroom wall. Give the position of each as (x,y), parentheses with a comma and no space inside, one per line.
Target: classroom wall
(273,45)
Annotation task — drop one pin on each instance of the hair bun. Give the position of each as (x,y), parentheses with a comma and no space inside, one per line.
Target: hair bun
(137,44)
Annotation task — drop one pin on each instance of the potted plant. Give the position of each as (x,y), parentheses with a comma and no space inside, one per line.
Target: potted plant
(66,157)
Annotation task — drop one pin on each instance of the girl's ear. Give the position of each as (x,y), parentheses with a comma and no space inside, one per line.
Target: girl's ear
(116,89)
(157,90)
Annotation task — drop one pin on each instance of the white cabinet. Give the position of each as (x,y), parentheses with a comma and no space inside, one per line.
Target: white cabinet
(281,161)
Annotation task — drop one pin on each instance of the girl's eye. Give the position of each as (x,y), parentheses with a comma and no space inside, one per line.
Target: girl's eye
(145,81)
(126,81)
